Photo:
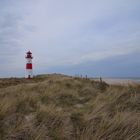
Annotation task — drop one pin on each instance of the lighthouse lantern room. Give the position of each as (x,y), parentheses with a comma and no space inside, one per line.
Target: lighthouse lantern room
(29,71)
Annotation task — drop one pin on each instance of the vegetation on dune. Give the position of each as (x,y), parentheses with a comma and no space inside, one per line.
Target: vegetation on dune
(58,107)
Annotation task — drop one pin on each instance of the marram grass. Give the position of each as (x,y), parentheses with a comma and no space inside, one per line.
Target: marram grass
(58,107)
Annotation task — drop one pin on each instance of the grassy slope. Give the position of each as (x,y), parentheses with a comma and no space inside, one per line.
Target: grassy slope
(57,107)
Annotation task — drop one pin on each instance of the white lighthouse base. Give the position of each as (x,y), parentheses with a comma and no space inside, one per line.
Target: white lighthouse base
(29,74)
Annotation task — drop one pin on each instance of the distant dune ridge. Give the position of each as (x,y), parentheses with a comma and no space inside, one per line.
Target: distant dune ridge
(60,107)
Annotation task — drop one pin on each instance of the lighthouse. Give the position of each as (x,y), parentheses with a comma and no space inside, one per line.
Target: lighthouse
(29,67)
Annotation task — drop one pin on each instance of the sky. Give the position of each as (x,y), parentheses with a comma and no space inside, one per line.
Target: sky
(88,37)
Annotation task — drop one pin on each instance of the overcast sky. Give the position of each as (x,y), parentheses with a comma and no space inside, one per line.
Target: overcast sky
(93,37)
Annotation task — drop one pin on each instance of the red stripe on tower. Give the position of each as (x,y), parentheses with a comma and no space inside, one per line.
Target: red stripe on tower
(29,73)
(28,66)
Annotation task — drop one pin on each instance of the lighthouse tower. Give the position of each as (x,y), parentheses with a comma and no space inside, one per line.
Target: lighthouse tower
(29,72)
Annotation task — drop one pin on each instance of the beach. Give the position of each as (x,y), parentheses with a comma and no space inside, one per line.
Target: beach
(119,81)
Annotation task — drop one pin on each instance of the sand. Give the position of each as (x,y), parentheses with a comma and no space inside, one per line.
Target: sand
(113,81)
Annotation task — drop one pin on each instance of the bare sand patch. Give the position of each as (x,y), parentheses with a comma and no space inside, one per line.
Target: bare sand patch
(116,81)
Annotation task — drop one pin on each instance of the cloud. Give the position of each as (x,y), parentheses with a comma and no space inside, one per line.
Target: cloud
(12,32)
(123,66)
(62,33)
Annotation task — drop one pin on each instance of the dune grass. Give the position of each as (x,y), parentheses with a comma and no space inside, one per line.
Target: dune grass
(58,107)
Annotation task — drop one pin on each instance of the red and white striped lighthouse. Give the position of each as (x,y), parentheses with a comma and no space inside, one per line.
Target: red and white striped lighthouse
(29,67)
